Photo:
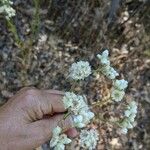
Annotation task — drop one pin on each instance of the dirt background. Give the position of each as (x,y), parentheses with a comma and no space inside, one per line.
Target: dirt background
(77,30)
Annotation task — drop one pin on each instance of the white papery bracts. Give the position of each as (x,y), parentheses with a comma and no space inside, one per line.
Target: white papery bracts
(117,92)
(6,9)
(89,138)
(106,69)
(59,140)
(76,104)
(129,117)
(80,70)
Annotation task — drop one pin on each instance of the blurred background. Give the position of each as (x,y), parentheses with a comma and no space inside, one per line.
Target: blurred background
(66,31)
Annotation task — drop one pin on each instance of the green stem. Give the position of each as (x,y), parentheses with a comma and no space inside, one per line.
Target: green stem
(13,29)
(66,115)
(36,19)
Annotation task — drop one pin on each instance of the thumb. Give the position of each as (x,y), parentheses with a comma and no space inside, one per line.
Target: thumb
(42,130)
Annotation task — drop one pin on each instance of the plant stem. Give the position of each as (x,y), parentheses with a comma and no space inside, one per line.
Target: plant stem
(101,103)
(13,29)
(36,19)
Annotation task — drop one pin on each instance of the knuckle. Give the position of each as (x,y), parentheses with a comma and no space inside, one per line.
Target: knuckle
(31,91)
(29,95)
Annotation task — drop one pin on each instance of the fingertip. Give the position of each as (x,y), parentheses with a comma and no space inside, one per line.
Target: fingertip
(54,99)
(72,132)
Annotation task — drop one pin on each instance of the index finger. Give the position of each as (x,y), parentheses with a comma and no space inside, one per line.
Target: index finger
(53,101)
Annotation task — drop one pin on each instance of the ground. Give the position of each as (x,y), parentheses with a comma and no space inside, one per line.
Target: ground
(78,30)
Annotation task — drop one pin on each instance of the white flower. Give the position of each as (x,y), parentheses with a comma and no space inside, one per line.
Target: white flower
(124,123)
(78,121)
(7,9)
(74,102)
(80,70)
(89,138)
(106,69)
(132,117)
(58,140)
(113,73)
(120,84)
(109,72)
(63,139)
(133,107)
(127,113)
(68,99)
(57,131)
(87,116)
(124,130)
(77,105)
(54,141)
(59,146)
(130,126)
(83,118)
(104,58)
(133,110)
(117,95)
(127,124)
(132,104)
(130,114)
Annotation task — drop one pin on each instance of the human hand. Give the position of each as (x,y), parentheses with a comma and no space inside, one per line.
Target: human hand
(28,118)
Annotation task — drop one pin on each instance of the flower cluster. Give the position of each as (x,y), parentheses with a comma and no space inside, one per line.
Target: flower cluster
(130,114)
(77,105)
(119,86)
(118,93)
(58,140)
(104,58)
(89,138)
(106,69)
(5,7)
(80,70)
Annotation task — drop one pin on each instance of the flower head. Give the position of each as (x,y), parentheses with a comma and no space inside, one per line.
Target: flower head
(58,140)
(89,138)
(7,9)
(131,110)
(57,131)
(124,130)
(79,108)
(109,72)
(74,102)
(80,70)
(120,84)
(130,114)
(83,118)
(104,58)
(68,99)
(117,95)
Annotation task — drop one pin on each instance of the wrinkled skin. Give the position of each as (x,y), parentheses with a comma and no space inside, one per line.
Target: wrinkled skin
(28,118)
